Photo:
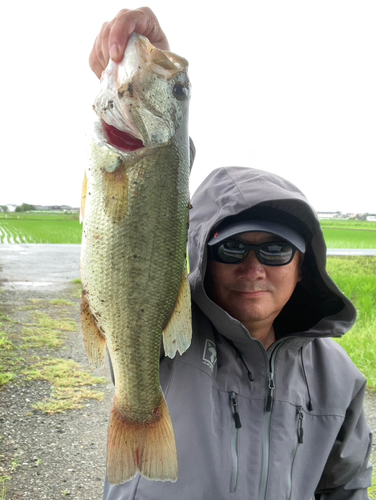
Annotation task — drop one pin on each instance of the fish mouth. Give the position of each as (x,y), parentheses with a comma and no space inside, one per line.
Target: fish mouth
(121,140)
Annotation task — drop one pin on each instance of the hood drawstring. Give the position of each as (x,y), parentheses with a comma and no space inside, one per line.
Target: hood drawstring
(250,374)
(310,404)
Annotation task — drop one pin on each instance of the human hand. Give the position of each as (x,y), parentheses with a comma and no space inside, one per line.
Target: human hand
(114,35)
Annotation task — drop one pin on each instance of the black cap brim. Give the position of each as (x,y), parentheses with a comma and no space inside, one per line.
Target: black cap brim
(264,226)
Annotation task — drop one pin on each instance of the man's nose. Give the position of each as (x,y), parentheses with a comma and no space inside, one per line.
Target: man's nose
(252,267)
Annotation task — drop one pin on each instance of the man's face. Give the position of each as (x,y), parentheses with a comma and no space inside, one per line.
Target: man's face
(251,292)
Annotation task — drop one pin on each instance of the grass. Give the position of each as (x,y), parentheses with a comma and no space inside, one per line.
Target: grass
(3,486)
(69,384)
(372,489)
(356,277)
(59,302)
(45,321)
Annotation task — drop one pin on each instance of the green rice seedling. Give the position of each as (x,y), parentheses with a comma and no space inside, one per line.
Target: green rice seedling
(40,231)
(349,233)
(347,238)
(348,224)
(40,215)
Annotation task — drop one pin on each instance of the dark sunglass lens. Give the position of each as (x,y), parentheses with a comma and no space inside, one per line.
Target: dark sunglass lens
(230,252)
(276,253)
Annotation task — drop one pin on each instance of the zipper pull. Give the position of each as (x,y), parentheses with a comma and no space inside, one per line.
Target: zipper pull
(235,414)
(269,401)
(300,413)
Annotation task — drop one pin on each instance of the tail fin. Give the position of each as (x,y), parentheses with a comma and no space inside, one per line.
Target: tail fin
(147,448)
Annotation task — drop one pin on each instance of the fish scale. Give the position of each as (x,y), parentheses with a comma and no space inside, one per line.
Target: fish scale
(133,256)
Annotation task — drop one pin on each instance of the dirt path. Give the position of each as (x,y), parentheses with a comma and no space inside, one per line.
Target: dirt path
(50,456)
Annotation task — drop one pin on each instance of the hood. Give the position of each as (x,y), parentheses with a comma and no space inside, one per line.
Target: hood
(317,307)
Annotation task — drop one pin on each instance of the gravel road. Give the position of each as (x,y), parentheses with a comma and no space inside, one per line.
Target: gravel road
(60,455)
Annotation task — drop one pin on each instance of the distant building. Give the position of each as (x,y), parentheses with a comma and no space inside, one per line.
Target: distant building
(327,215)
(371,218)
(55,208)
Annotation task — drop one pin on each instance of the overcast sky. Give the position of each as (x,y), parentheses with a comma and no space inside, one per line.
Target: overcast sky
(285,86)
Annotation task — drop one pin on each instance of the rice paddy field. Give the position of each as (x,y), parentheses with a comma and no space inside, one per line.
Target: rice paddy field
(349,234)
(64,228)
(40,227)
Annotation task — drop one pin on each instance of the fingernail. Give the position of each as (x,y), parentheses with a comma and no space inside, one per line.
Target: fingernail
(114,50)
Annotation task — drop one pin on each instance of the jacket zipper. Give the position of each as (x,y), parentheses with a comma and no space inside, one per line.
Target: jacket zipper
(298,441)
(234,441)
(267,418)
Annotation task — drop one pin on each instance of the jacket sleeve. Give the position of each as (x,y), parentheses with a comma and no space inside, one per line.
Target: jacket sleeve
(348,472)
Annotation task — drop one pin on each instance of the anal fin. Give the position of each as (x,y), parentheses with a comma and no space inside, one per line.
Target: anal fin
(94,340)
(177,334)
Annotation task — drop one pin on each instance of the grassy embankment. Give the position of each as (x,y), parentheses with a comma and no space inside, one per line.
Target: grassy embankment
(356,277)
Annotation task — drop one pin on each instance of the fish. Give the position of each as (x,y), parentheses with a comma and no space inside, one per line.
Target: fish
(135,211)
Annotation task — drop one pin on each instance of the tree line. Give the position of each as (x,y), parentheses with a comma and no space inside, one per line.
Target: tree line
(25,207)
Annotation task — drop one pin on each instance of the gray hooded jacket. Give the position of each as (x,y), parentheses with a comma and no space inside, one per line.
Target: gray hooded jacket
(286,423)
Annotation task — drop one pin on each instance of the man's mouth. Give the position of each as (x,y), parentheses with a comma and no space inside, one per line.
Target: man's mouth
(121,140)
(251,291)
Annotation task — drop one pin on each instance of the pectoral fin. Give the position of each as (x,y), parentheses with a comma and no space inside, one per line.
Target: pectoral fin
(178,332)
(94,340)
(116,194)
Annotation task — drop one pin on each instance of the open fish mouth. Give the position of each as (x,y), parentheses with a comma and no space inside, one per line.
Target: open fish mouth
(140,99)
(121,140)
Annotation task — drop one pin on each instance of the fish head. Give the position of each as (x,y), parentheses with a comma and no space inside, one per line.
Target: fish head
(143,100)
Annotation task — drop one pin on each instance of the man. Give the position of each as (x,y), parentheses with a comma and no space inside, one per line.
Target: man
(264,404)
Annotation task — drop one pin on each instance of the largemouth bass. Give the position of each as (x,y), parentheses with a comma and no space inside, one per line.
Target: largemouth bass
(133,256)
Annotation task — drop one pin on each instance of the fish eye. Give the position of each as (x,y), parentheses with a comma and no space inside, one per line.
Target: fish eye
(180,92)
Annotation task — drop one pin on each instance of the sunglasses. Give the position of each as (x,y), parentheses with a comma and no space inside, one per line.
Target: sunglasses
(271,253)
